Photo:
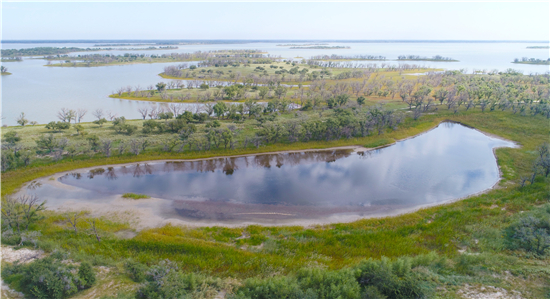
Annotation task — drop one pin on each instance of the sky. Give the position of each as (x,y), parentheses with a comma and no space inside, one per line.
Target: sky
(277,20)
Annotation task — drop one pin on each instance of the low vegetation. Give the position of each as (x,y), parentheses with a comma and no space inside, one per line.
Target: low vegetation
(420,58)
(135,196)
(525,60)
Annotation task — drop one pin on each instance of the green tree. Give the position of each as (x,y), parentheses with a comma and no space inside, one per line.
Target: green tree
(47,142)
(361,101)
(262,91)
(161,86)
(220,108)
(94,142)
(21,120)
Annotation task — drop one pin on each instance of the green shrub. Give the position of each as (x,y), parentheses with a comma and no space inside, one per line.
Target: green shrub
(87,275)
(531,234)
(49,278)
(396,280)
(329,284)
(272,288)
(136,271)
(164,281)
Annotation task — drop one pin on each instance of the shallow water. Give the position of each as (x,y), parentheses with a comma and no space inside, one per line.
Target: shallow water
(446,163)
(41,91)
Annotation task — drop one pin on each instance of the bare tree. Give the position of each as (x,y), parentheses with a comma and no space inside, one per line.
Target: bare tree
(135,146)
(21,211)
(176,109)
(111,115)
(98,113)
(143,112)
(121,147)
(72,218)
(106,147)
(63,114)
(93,230)
(80,114)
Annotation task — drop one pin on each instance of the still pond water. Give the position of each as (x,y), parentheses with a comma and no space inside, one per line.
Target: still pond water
(446,163)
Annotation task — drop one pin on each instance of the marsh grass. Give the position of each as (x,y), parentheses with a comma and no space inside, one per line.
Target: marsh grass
(135,196)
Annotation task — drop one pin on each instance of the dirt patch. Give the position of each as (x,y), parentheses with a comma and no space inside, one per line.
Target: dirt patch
(22,255)
(125,234)
(487,292)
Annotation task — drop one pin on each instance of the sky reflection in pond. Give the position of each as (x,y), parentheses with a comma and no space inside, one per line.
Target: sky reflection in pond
(449,162)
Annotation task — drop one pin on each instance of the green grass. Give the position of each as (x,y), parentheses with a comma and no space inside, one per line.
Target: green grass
(135,196)
(377,143)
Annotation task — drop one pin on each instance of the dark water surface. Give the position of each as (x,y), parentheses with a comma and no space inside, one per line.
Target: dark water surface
(449,162)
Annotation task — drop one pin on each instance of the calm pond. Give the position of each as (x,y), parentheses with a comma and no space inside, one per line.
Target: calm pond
(446,163)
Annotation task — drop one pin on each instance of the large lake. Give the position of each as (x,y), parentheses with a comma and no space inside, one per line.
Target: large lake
(41,91)
(444,164)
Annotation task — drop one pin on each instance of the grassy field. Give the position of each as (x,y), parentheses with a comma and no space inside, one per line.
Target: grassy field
(465,236)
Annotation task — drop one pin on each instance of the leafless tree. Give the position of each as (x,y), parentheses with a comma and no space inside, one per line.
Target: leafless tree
(93,230)
(135,146)
(106,147)
(80,113)
(143,112)
(72,218)
(121,147)
(176,109)
(21,211)
(98,113)
(63,114)
(111,115)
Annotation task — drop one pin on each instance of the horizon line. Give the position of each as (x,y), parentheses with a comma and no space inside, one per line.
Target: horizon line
(260,40)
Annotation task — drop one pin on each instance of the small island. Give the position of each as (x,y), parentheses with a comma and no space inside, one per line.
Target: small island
(4,70)
(525,60)
(300,45)
(321,47)
(94,60)
(335,57)
(539,47)
(437,58)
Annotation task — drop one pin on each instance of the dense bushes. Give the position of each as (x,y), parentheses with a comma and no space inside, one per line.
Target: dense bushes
(49,277)
(531,233)
(375,279)
(396,280)
(165,281)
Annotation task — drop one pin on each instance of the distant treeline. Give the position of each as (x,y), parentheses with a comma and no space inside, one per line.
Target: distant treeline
(416,57)
(121,45)
(526,60)
(539,47)
(44,51)
(349,57)
(206,56)
(300,45)
(321,47)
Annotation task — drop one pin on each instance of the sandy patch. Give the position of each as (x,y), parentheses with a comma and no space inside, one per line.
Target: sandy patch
(487,292)
(22,255)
